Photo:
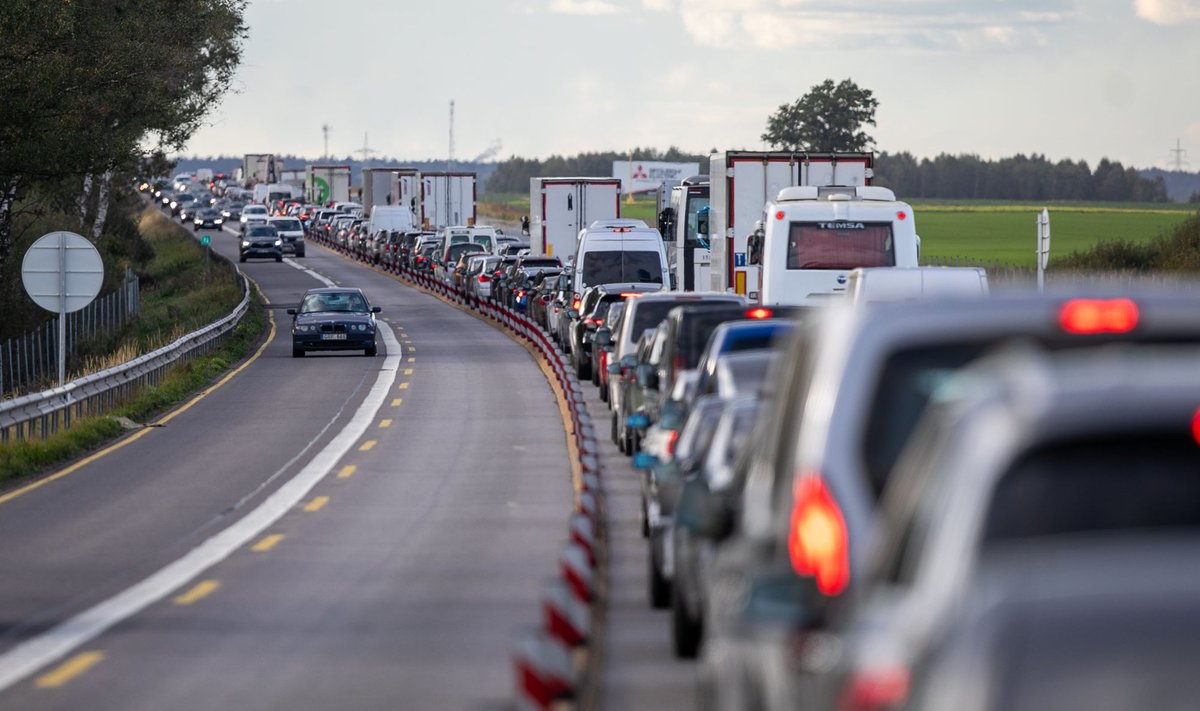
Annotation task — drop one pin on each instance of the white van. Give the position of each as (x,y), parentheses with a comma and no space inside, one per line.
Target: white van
(390,218)
(813,237)
(621,251)
(915,284)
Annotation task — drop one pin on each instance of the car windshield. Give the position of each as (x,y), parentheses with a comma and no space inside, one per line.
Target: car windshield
(288,225)
(262,231)
(342,301)
(614,266)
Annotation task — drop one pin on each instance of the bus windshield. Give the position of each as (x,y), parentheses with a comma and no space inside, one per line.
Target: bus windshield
(840,245)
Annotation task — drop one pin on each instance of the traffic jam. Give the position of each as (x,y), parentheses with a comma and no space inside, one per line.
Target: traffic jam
(865,484)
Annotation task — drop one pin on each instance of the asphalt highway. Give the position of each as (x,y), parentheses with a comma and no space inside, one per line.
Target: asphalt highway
(328,532)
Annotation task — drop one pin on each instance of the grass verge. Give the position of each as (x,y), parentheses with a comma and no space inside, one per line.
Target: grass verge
(183,283)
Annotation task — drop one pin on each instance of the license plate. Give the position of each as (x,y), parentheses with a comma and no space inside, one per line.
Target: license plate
(333,336)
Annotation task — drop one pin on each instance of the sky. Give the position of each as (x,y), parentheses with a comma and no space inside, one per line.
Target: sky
(1077,79)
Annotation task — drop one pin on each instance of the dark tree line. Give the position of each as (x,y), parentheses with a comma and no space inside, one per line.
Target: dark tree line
(969,177)
(512,175)
(89,91)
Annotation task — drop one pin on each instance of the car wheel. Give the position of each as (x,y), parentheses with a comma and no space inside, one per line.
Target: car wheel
(686,631)
(300,253)
(241,258)
(279,257)
(658,588)
(596,380)
(297,352)
(195,228)
(370,352)
(582,371)
(613,434)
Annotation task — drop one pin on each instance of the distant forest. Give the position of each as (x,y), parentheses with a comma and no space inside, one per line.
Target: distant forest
(964,177)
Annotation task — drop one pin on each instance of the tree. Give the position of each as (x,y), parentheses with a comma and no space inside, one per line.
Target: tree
(87,88)
(828,118)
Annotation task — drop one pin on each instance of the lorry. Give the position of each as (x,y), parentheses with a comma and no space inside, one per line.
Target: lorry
(260,168)
(324,184)
(270,194)
(683,215)
(741,184)
(390,186)
(446,199)
(813,238)
(561,208)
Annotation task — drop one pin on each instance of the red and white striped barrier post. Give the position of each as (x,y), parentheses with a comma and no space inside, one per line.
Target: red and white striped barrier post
(545,672)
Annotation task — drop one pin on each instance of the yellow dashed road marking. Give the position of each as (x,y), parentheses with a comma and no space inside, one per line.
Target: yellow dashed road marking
(347,471)
(397,402)
(385,423)
(201,590)
(408,371)
(267,543)
(366,446)
(316,504)
(69,669)
(403,386)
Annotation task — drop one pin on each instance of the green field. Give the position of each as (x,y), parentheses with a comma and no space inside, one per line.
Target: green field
(992,230)
(1007,232)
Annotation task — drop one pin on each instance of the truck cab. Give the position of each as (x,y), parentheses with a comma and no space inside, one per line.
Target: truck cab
(812,237)
(683,222)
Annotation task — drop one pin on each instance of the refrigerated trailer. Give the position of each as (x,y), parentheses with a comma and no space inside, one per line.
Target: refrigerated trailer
(327,184)
(683,214)
(559,208)
(741,184)
(446,199)
(379,187)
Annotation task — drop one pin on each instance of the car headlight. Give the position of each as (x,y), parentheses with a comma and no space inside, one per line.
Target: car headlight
(218,221)
(174,204)
(305,328)
(278,242)
(245,243)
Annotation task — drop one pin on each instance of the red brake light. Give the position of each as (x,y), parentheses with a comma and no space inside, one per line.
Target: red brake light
(1090,316)
(875,689)
(672,438)
(575,303)
(628,294)
(818,543)
(1196,426)
(779,215)
(484,278)
(759,312)
(902,215)
(520,293)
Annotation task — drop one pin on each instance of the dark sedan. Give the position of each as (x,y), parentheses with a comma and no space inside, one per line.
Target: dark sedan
(333,319)
(207,219)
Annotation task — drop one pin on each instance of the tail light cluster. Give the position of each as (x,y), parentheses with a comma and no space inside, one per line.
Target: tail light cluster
(1092,316)
(818,543)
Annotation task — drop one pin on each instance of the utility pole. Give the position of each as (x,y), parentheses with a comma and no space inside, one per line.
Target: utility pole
(450,155)
(1179,153)
(325,132)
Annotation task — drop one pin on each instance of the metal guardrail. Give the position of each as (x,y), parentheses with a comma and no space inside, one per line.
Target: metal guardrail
(40,414)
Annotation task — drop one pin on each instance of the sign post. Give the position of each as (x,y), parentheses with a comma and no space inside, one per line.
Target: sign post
(62,272)
(1043,247)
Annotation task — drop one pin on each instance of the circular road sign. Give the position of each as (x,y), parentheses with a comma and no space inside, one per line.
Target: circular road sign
(62,272)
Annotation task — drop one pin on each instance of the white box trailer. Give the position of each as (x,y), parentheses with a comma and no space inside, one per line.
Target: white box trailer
(446,199)
(260,168)
(405,191)
(559,208)
(326,184)
(379,186)
(742,182)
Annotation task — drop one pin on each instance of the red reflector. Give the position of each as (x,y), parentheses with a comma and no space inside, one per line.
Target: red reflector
(876,689)
(672,438)
(818,542)
(1088,316)
(902,215)
(759,313)
(779,215)
(1196,426)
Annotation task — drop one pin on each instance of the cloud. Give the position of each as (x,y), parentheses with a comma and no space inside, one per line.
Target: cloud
(659,5)
(584,7)
(1168,12)
(855,24)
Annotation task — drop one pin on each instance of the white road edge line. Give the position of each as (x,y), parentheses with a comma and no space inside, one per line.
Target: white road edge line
(28,657)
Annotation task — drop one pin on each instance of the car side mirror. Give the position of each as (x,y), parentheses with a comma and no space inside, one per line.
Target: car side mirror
(603,337)
(376,309)
(637,421)
(628,361)
(613,369)
(642,460)
(701,512)
(646,377)
(590,326)
(291,312)
(572,314)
